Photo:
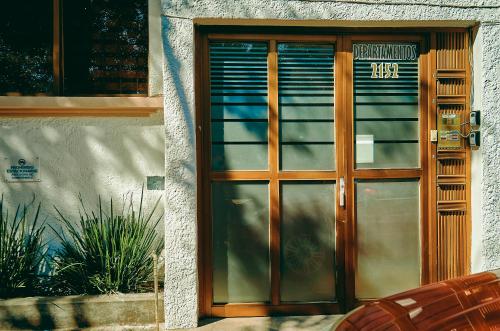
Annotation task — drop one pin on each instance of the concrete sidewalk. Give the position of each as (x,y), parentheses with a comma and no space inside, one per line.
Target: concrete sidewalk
(283,323)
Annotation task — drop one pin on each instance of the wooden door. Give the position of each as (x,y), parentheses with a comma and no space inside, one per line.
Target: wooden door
(313,167)
(386,164)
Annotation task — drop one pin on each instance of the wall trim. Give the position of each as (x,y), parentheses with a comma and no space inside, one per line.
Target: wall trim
(37,106)
(395,24)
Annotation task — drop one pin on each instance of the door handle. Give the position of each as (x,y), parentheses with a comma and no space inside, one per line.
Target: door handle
(342,192)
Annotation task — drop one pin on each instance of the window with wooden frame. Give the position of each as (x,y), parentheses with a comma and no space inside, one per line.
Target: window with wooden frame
(74,48)
(316,170)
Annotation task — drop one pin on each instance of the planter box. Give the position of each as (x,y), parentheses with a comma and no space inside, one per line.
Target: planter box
(79,311)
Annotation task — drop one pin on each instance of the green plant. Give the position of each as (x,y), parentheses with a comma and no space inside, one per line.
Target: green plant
(107,252)
(21,250)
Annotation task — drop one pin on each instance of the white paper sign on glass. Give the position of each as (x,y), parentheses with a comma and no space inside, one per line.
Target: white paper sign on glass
(364,148)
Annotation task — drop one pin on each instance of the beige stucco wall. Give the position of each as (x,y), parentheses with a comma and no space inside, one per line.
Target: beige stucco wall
(106,156)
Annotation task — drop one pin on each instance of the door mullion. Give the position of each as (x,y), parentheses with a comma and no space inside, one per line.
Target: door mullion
(273,136)
(349,212)
(340,153)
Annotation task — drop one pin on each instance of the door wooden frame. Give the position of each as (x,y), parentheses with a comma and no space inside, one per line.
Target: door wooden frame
(343,115)
(272,175)
(420,173)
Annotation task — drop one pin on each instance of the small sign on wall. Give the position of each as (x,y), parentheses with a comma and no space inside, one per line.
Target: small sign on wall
(21,169)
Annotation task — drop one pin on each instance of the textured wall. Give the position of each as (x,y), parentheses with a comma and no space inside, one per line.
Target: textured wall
(477,259)
(181,299)
(335,10)
(490,149)
(181,278)
(111,157)
(155,55)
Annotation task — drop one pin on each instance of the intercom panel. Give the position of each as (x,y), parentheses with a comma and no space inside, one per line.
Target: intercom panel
(449,131)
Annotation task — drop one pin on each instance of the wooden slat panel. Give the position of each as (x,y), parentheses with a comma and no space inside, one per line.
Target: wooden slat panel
(451,86)
(451,193)
(452,253)
(451,50)
(452,230)
(451,167)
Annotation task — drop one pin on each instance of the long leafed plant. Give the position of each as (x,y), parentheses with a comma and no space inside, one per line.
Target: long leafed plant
(22,249)
(106,252)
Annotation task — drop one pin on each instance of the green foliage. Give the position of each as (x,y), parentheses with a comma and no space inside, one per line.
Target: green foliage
(21,250)
(106,252)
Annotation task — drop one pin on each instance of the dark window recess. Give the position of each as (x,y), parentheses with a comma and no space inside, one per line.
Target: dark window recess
(105,47)
(26,47)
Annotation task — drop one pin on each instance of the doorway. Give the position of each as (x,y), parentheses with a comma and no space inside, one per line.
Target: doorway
(312,161)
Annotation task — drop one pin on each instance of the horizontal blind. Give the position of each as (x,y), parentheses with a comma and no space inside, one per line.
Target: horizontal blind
(386,94)
(306,106)
(239,104)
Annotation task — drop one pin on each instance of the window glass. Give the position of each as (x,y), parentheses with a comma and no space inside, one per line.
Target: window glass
(307,241)
(306,101)
(238,101)
(105,47)
(241,263)
(387,224)
(386,105)
(26,47)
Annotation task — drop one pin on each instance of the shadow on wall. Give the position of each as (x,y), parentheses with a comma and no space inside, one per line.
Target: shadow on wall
(40,316)
(180,168)
(91,156)
(78,312)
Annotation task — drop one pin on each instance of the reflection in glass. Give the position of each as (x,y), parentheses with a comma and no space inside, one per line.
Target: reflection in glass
(105,47)
(394,144)
(308,241)
(26,47)
(387,218)
(386,117)
(238,102)
(306,106)
(240,233)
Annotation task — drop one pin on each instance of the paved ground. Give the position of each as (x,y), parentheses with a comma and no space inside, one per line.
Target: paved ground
(286,323)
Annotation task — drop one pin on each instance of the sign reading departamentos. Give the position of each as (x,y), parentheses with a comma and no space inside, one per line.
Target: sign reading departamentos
(385,51)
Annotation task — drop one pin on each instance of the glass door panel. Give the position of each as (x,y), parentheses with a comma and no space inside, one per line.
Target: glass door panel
(386,130)
(238,103)
(307,241)
(386,126)
(387,215)
(306,106)
(240,214)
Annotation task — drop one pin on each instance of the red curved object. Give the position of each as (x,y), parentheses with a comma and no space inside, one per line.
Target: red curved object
(464,303)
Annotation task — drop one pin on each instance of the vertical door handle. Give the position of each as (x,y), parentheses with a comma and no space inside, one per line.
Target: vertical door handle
(342,192)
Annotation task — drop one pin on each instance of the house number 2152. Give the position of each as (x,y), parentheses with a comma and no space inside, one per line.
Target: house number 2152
(385,70)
